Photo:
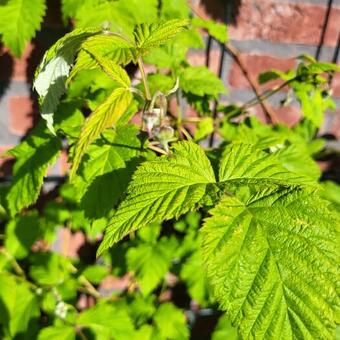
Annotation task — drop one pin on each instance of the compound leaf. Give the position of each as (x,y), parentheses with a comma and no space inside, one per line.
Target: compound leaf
(244,163)
(270,257)
(161,189)
(154,35)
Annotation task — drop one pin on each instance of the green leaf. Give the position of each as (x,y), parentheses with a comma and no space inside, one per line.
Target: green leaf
(95,273)
(170,323)
(153,35)
(108,169)
(57,333)
(107,322)
(120,16)
(194,275)
(162,189)
(271,257)
(21,233)
(224,330)
(114,71)
(171,9)
(112,46)
(18,305)
(20,19)
(49,268)
(150,262)
(54,69)
(201,81)
(245,164)
(296,159)
(313,103)
(204,128)
(269,75)
(142,308)
(331,193)
(33,156)
(106,115)
(215,29)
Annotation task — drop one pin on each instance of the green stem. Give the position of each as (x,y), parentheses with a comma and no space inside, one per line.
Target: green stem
(266,95)
(145,82)
(15,265)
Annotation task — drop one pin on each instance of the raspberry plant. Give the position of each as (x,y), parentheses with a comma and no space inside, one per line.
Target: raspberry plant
(252,230)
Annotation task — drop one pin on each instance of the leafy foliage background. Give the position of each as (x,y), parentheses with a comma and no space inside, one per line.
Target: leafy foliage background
(242,230)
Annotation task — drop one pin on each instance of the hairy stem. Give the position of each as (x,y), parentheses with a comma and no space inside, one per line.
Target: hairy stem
(266,94)
(145,82)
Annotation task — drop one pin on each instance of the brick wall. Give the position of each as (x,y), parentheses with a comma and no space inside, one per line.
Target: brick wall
(268,33)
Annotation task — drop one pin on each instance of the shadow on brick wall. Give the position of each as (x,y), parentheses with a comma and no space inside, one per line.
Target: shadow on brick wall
(222,10)
(6,70)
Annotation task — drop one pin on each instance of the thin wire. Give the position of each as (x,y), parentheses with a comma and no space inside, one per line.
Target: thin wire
(324,29)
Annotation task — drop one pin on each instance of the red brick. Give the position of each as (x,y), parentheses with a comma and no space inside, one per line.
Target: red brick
(287,115)
(284,22)
(20,64)
(21,114)
(335,130)
(112,284)
(198,59)
(256,65)
(70,242)
(64,166)
(336,84)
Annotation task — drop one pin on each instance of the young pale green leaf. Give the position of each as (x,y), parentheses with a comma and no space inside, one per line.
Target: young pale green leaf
(113,70)
(112,46)
(200,81)
(162,189)
(33,155)
(106,115)
(244,163)
(150,261)
(215,29)
(153,35)
(54,69)
(271,257)
(57,333)
(20,19)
